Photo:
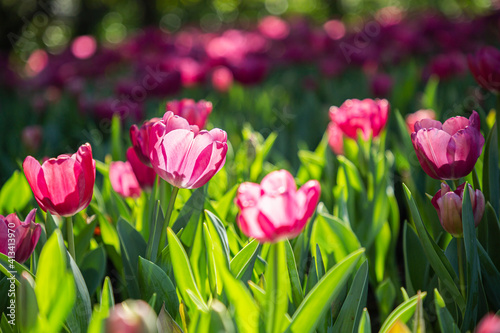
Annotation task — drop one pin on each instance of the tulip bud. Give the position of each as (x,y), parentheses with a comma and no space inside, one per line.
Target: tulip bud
(63,185)
(18,238)
(123,180)
(132,316)
(275,209)
(449,207)
(489,324)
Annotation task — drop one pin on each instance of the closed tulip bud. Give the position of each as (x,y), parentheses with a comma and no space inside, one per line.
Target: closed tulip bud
(274,209)
(449,207)
(485,67)
(489,324)
(368,116)
(140,140)
(145,175)
(184,156)
(449,150)
(196,113)
(132,316)
(18,239)
(63,185)
(123,180)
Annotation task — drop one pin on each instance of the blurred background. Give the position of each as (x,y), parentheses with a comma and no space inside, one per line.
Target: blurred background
(267,66)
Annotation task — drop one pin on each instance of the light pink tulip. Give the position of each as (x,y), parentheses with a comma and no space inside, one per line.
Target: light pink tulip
(123,180)
(275,210)
(489,324)
(412,118)
(184,156)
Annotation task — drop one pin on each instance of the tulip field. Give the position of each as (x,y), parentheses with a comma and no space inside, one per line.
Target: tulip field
(279,171)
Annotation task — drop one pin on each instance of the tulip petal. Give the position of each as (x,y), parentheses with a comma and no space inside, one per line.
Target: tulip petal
(278,182)
(455,124)
(84,157)
(4,235)
(34,174)
(427,123)
(431,146)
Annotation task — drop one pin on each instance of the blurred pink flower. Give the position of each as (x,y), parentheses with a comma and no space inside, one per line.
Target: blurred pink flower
(123,180)
(412,118)
(485,67)
(222,78)
(489,324)
(274,27)
(335,138)
(196,113)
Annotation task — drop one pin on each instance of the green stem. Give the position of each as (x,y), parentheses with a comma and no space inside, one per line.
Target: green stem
(497,118)
(456,182)
(461,265)
(168,215)
(70,236)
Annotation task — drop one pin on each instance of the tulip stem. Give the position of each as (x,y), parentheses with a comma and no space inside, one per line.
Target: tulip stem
(168,214)
(461,265)
(70,236)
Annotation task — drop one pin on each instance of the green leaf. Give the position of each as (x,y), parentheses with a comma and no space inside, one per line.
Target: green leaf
(491,176)
(214,278)
(223,205)
(471,309)
(260,156)
(318,300)
(297,295)
(79,318)
(430,92)
(402,313)
(277,284)
(18,269)
(82,240)
(491,277)
(415,263)
(190,215)
(435,255)
(184,274)
(446,322)
(55,300)
(116,138)
(15,194)
(217,230)
(220,320)
(27,306)
(352,309)
(93,268)
(242,263)
(364,323)
(152,279)
(132,247)
(166,323)
(107,301)
(386,295)
(155,227)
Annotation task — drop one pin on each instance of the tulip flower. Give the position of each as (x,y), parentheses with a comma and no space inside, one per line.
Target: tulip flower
(489,324)
(123,180)
(131,316)
(369,116)
(275,209)
(18,238)
(140,140)
(412,118)
(449,207)
(184,156)
(63,185)
(145,175)
(196,113)
(335,138)
(222,79)
(449,150)
(485,67)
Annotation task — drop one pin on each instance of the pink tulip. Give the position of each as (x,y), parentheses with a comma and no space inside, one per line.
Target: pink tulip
(63,185)
(184,156)
(196,113)
(369,116)
(449,207)
(489,324)
(123,180)
(449,150)
(412,118)
(24,237)
(131,316)
(222,78)
(335,138)
(275,210)
(485,67)
(145,175)
(140,140)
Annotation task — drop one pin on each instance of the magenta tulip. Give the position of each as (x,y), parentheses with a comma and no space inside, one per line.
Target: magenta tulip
(196,113)
(18,238)
(145,175)
(140,140)
(489,324)
(184,157)
(123,180)
(449,207)
(335,139)
(368,116)
(275,210)
(449,150)
(485,67)
(63,185)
